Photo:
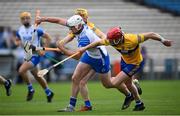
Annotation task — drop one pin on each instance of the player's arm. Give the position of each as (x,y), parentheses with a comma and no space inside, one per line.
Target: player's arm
(48,39)
(93,45)
(157,37)
(17,40)
(64,41)
(99,33)
(56,20)
(67,52)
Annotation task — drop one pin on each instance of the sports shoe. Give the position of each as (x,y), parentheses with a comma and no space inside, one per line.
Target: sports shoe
(30,95)
(139,107)
(136,83)
(8,87)
(49,98)
(85,108)
(127,102)
(67,109)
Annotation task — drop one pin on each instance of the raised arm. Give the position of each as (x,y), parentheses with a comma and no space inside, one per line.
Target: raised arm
(157,37)
(56,20)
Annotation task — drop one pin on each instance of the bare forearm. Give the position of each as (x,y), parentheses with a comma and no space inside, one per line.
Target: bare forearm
(92,45)
(69,53)
(56,20)
(64,41)
(17,42)
(154,36)
(157,37)
(48,39)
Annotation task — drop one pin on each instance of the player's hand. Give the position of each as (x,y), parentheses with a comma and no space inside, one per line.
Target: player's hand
(28,55)
(41,52)
(167,42)
(38,20)
(27,46)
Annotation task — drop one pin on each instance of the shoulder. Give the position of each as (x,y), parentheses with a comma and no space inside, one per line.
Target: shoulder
(40,31)
(90,25)
(90,33)
(21,28)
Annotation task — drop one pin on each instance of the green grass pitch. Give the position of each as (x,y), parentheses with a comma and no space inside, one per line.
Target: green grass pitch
(160,98)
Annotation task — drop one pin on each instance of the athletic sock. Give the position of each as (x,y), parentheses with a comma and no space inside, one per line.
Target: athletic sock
(6,83)
(128,95)
(30,87)
(72,101)
(138,102)
(47,91)
(87,103)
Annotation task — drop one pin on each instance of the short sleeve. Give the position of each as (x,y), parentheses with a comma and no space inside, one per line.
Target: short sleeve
(18,35)
(140,38)
(40,32)
(71,34)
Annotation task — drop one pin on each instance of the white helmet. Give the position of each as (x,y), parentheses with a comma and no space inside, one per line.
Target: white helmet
(75,20)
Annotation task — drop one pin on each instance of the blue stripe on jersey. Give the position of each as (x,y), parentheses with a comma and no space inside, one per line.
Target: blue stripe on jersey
(83,41)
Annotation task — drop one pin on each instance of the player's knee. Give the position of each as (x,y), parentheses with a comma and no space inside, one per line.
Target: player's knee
(21,71)
(75,80)
(82,83)
(107,86)
(129,84)
(37,77)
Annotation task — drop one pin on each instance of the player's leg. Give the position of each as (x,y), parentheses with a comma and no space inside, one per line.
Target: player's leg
(23,73)
(81,70)
(43,84)
(137,84)
(134,91)
(2,80)
(7,84)
(128,70)
(84,91)
(106,81)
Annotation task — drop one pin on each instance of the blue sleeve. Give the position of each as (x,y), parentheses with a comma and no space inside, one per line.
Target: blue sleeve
(17,34)
(40,32)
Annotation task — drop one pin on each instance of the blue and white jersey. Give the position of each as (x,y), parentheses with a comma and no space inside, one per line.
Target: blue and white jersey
(86,37)
(25,34)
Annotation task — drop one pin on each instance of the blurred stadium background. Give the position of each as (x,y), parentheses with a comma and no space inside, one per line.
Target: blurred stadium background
(134,16)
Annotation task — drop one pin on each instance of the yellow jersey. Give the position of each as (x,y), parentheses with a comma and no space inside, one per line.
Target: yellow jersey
(91,26)
(129,49)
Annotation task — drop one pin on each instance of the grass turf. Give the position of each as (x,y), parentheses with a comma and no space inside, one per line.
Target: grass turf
(160,98)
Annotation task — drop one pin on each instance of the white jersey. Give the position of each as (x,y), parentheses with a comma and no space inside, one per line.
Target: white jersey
(86,37)
(25,34)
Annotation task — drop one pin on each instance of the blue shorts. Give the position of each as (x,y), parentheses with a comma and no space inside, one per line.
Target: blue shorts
(101,65)
(36,59)
(131,69)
